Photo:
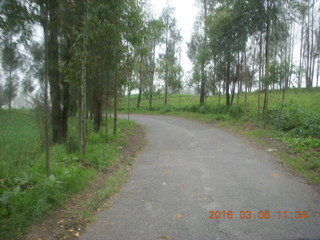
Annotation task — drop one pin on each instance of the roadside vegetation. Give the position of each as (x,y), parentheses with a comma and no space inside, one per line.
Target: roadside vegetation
(25,191)
(296,127)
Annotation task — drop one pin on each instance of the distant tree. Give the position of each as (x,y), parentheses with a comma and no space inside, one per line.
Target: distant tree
(11,60)
(168,60)
(14,23)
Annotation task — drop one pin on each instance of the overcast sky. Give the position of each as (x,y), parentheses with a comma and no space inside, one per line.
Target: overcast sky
(186,12)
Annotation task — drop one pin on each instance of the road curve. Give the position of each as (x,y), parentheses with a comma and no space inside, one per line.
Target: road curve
(189,169)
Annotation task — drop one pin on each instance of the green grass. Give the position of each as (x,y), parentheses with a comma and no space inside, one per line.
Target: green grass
(297,128)
(25,191)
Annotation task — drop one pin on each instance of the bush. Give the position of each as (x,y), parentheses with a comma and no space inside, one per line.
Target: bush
(296,121)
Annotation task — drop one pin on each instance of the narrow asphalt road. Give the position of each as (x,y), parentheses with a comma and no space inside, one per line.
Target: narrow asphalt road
(189,169)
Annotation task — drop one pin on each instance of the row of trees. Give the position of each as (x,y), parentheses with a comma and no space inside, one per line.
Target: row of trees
(238,45)
(87,54)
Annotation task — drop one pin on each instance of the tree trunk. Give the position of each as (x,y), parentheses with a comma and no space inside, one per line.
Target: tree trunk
(97,113)
(266,97)
(203,75)
(10,89)
(115,120)
(83,112)
(54,76)
(312,50)
(318,72)
(260,78)
(228,84)
(107,106)
(140,82)
(219,100)
(46,106)
(129,97)
(239,87)
(246,86)
(152,70)
(301,53)
(65,91)
(203,85)
(308,66)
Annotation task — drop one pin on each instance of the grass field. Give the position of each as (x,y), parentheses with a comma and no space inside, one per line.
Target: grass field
(301,98)
(297,127)
(25,191)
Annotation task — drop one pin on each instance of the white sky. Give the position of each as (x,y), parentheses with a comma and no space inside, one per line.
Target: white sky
(186,12)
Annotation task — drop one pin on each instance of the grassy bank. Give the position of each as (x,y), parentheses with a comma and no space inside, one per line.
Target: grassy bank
(296,129)
(25,191)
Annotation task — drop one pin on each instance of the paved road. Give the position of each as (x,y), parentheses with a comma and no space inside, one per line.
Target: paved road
(188,169)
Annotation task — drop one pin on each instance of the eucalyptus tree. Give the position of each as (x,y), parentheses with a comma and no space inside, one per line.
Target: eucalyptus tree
(155,30)
(11,60)
(202,55)
(14,29)
(198,54)
(223,43)
(168,60)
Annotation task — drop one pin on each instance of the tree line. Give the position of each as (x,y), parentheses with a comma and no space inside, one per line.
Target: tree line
(81,56)
(239,45)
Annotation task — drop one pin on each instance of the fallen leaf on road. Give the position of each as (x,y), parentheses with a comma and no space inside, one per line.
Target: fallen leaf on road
(77,234)
(163,238)
(275,175)
(271,150)
(177,216)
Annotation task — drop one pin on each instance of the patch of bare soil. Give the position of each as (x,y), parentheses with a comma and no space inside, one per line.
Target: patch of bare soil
(64,223)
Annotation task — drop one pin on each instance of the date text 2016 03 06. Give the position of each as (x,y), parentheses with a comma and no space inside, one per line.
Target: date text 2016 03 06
(263,214)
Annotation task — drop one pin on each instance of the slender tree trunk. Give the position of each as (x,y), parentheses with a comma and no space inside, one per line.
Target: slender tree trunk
(151,96)
(318,72)
(301,53)
(266,97)
(246,86)
(107,106)
(83,112)
(203,75)
(312,50)
(219,101)
(260,77)
(202,84)
(129,97)
(46,105)
(115,120)
(152,70)
(10,89)
(307,70)
(284,87)
(97,107)
(239,87)
(228,84)
(290,61)
(233,91)
(166,64)
(140,82)
(66,95)
(54,76)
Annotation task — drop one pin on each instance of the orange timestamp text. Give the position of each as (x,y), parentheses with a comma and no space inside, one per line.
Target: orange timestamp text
(263,214)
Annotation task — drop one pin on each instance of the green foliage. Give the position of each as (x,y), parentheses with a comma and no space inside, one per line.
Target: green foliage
(297,121)
(25,191)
